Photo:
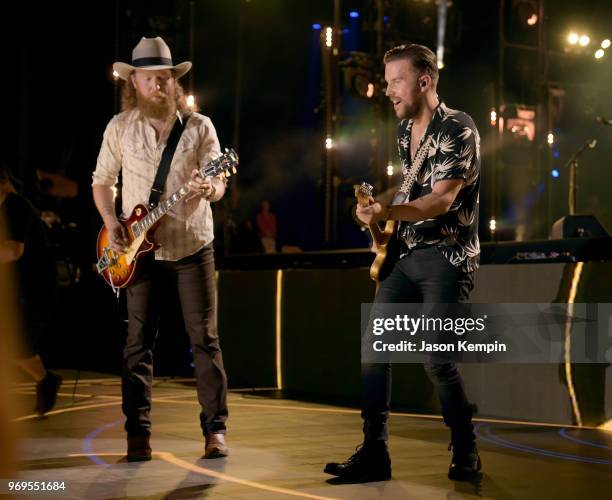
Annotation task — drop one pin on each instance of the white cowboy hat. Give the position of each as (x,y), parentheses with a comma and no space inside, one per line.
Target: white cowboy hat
(151,53)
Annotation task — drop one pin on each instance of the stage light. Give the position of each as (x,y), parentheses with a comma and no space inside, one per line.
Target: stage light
(329,143)
(532,21)
(354,14)
(605,44)
(115,75)
(440,64)
(573,38)
(599,53)
(584,40)
(493,117)
(370,91)
(550,139)
(555,173)
(328,37)
(492,224)
(190,101)
(390,169)
(316,26)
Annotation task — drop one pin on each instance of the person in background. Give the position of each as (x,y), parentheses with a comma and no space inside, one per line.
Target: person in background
(25,246)
(266,225)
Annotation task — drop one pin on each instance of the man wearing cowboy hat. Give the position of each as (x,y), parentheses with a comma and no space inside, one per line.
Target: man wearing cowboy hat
(152,100)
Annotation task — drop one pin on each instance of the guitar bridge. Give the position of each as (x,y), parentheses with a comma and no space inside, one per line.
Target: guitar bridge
(107,260)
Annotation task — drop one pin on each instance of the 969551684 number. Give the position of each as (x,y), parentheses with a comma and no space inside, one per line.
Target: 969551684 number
(17,486)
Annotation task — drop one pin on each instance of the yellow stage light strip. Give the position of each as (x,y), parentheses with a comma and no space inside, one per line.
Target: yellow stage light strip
(607,426)
(174,460)
(568,341)
(109,381)
(278,328)
(69,409)
(116,401)
(348,411)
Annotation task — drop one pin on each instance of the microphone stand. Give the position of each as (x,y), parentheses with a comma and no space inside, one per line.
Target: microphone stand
(573,167)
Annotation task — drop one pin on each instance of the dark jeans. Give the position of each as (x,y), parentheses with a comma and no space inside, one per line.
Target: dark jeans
(194,278)
(423,276)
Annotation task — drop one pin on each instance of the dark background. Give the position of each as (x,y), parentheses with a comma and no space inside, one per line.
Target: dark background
(59,94)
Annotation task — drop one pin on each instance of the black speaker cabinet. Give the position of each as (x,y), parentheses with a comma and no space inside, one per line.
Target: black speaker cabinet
(577,226)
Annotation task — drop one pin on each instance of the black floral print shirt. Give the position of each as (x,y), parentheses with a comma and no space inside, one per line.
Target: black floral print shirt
(454,153)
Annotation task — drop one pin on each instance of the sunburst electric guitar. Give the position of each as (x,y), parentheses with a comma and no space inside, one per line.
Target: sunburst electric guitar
(120,269)
(385,240)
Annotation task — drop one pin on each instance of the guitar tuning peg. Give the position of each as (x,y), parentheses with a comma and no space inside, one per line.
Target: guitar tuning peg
(227,174)
(234,169)
(226,150)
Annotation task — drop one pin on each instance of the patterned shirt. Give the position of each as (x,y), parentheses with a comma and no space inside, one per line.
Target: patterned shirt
(454,153)
(130,144)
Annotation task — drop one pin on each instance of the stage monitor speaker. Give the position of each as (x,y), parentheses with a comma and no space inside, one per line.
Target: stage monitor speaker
(577,226)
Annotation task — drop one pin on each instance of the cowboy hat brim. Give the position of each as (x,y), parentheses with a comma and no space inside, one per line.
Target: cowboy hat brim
(124,70)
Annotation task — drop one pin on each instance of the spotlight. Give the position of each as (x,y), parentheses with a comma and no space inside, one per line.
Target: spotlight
(329,143)
(584,40)
(555,173)
(526,11)
(493,117)
(492,224)
(573,38)
(599,53)
(550,139)
(605,44)
(328,37)
(316,26)
(390,169)
(370,91)
(354,14)
(190,101)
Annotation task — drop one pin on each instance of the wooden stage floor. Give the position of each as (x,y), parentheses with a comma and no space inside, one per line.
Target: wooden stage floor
(279,448)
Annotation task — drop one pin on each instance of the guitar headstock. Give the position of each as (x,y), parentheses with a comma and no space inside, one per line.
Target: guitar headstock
(363,193)
(224,164)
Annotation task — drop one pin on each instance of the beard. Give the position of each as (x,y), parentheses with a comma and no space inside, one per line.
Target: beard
(158,107)
(408,111)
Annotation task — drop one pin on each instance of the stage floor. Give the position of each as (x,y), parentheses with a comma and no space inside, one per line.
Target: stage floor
(279,447)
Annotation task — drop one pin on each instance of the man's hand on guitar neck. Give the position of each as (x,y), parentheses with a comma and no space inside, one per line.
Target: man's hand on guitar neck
(371,214)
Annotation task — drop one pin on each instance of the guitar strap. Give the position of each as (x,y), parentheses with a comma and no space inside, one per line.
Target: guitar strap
(410,175)
(166,160)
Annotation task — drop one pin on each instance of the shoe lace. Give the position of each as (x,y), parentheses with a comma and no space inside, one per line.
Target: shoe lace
(359,450)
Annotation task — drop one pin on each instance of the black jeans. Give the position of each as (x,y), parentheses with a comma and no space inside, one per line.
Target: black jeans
(423,276)
(194,277)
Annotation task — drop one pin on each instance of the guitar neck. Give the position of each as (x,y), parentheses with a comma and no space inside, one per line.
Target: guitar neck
(162,209)
(155,215)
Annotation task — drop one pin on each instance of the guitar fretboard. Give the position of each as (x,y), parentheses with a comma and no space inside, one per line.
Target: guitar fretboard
(158,212)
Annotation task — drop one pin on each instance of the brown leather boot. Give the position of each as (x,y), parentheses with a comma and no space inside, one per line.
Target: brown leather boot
(215,445)
(139,449)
